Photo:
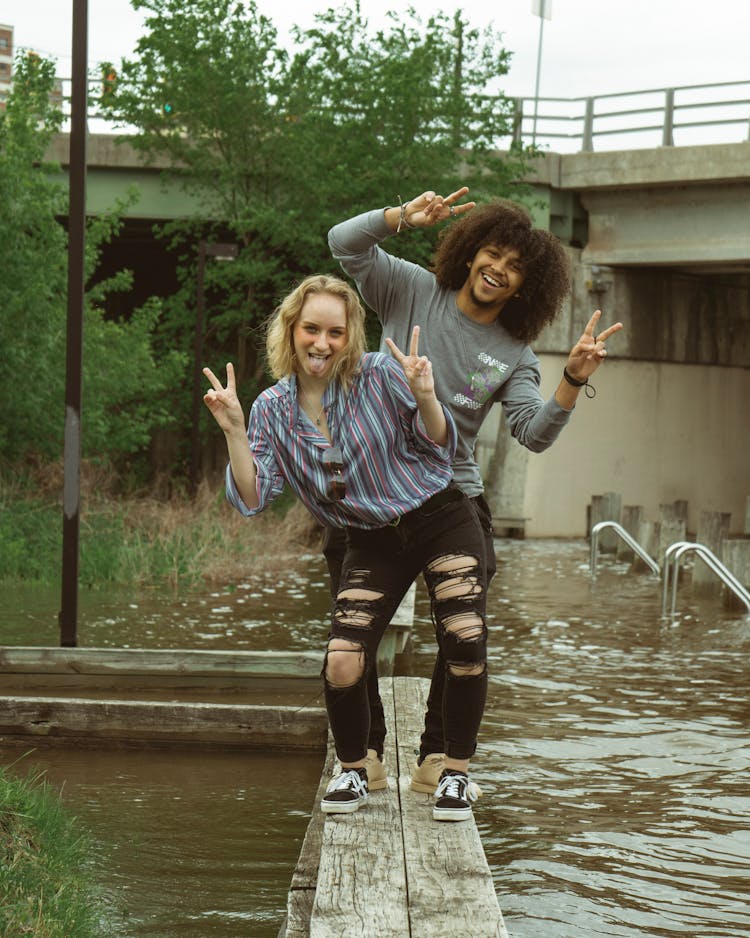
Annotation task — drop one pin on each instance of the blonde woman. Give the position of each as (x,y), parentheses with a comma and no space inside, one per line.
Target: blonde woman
(362,440)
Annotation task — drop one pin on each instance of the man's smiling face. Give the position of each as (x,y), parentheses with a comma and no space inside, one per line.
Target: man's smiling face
(496,274)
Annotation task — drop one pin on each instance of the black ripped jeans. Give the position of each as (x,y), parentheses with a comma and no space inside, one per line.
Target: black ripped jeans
(334,551)
(444,541)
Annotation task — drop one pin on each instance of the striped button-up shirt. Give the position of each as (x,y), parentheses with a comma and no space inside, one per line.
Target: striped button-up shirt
(390,465)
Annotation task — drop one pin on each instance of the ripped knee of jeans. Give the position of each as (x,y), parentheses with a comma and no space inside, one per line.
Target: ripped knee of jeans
(344,663)
(456,576)
(465,643)
(355,603)
(457,586)
(462,670)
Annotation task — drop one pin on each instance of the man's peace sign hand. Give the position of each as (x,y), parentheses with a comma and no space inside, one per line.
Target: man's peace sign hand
(589,351)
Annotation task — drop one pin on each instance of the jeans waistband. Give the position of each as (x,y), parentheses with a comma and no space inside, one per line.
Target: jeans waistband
(447,495)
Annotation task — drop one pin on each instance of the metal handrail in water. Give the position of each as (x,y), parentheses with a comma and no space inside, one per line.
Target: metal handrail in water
(668,561)
(630,541)
(712,562)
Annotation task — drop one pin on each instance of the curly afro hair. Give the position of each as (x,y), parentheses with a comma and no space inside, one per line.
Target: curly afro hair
(546,268)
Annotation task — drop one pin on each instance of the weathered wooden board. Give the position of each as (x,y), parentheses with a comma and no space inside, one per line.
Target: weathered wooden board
(446,885)
(162,723)
(450,885)
(361,888)
(305,877)
(200,675)
(397,634)
(190,662)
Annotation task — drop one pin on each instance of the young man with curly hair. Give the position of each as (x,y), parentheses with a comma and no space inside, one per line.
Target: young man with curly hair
(495,282)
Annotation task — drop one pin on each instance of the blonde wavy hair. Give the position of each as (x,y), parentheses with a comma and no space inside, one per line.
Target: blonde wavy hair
(279,332)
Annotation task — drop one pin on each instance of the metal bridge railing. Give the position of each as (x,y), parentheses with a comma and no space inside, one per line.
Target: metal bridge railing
(683,115)
(717,113)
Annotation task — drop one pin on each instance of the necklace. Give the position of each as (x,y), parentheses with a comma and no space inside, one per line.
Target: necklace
(315,420)
(467,359)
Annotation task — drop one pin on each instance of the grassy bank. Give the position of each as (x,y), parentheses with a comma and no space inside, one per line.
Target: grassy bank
(47,889)
(144,539)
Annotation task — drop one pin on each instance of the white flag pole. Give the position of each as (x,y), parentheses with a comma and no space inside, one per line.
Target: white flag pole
(542,9)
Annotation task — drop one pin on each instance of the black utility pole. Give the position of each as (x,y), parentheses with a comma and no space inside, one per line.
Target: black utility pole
(68,617)
(222,252)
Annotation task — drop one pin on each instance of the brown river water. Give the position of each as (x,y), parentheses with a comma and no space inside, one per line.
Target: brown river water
(614,756)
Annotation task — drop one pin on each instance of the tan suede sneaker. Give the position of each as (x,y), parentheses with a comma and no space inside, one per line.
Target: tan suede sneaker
(425,777)
(376,777)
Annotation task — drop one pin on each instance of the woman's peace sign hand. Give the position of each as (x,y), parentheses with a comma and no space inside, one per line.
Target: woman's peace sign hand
(417,368)
(223,401)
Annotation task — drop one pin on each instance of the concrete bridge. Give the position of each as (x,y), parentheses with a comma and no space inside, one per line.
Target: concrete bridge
(696,200)
(659,239)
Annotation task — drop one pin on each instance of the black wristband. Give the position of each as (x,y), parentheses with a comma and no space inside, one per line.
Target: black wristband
(574,381)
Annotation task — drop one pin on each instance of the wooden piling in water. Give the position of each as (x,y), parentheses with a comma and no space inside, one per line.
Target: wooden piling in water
(713,528)
(606,507)
(389,869)
(632,517)
(736,558)
(672,527)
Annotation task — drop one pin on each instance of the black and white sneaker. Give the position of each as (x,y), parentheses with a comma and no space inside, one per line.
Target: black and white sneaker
(453,797)
(346,792)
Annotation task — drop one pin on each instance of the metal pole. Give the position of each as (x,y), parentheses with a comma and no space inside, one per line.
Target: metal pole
(195,440)
(222,252)
(68,616)
(538,73)
(667,138)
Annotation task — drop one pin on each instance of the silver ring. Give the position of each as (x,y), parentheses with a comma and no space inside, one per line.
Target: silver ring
(451,209)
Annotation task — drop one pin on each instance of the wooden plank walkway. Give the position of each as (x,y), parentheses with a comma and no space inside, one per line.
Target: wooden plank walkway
(389,869)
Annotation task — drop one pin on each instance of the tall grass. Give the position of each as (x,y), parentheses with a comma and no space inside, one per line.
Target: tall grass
(130,539)
(47,886)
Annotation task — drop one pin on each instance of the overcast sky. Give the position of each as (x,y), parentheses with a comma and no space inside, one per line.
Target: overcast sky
(589,47)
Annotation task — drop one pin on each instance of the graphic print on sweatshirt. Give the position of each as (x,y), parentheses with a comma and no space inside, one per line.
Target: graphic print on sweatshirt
(482,383)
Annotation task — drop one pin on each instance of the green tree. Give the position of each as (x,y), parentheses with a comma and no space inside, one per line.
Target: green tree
(122,383)
(203,88)
(409,106)
(279,145)
(32,277)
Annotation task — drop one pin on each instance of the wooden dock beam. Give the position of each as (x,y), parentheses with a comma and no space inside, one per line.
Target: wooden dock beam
(147,697)
(389,869)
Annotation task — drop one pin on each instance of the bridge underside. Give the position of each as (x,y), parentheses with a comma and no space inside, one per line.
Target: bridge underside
(703,228)
(679,207)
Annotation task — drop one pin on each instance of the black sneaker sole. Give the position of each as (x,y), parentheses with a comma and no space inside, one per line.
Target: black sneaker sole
(452,814)
(342,807)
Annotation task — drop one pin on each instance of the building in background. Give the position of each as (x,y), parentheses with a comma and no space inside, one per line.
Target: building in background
(6,70)
(6,62)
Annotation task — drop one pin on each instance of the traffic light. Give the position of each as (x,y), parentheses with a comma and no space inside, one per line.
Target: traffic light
(109,83)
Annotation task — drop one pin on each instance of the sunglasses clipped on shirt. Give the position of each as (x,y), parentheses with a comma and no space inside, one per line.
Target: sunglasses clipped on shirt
(334,463)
